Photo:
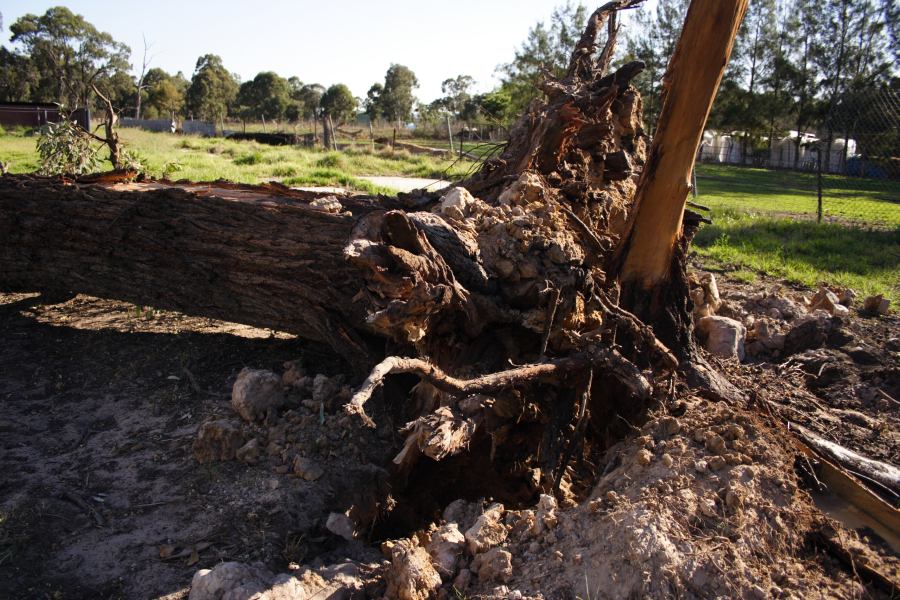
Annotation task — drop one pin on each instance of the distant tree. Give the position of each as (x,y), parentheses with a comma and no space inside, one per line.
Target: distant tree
(18,77)
(68,53)
(308,98)
(266,96)
(165,94)
(397,96)
(456,93)
(545,48)
(339,103)
(374,102)
(120,88)
(213,89)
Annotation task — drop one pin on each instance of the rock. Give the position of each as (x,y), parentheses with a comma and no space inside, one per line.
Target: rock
(329,204)
(255,392)
(341,525)
(218,439)
(250,452)
(487,531)
(325,388)
(461,582)
(669,426)
(447,543)
(456,203)
(706,297)
(493,565)
(462,512)
(229,581)
(714,443)
(411,576)
(307,468)
(840,310)
(807,334)
(643,457)
(876,305)
(294,376)
(667,460)
(847,296)
(722,336)
(825,300)
(764,337)
(545,515)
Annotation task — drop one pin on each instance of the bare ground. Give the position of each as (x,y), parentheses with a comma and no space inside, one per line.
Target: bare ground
(102,496)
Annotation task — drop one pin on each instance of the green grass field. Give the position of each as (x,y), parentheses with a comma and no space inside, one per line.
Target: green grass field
(208,159)
(763,221)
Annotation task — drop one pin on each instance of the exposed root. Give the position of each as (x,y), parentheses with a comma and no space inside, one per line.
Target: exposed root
(552,371)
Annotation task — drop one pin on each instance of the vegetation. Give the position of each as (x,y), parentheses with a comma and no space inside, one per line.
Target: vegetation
(208,159)
(764,221)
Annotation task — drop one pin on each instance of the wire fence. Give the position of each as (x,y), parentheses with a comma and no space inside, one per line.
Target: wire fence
(845,170)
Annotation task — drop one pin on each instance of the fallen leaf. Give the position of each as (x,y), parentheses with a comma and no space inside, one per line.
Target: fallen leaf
(166,550)
(194,559)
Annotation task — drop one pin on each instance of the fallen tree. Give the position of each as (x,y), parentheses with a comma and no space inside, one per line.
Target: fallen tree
(542,304)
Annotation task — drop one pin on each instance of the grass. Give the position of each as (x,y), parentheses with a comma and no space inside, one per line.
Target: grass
(783,193)
(209,159)
(764,222)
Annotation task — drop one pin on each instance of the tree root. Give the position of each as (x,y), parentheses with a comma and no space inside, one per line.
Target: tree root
(551,371)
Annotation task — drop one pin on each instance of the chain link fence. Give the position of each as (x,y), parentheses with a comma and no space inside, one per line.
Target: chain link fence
(844,170)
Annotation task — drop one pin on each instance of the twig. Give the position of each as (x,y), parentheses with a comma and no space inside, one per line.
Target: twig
(552,306)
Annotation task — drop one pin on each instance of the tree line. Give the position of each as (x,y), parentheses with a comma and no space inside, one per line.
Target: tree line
(792,61)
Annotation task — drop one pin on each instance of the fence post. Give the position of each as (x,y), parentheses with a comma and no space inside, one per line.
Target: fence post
(819,181)
(450,134)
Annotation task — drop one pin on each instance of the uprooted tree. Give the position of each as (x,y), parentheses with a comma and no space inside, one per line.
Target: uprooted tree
(523,319)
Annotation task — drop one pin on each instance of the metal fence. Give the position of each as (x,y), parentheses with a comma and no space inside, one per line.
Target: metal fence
(848,166)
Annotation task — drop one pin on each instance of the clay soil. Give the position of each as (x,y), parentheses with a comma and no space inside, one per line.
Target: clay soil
(102,495)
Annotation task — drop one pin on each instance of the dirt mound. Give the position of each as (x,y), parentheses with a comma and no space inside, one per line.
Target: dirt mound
(129,472)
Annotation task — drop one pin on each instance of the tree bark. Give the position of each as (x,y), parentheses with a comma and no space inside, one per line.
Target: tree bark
(691,82)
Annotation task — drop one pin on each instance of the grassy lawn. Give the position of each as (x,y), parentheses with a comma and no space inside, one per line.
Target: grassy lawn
(764,221)
(208,159)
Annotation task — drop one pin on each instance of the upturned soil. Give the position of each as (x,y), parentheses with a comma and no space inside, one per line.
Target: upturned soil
(103,495)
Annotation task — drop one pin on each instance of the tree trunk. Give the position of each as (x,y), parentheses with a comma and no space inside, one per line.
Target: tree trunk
(514,267)
(655,229)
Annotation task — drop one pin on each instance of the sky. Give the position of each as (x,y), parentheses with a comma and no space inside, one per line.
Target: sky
(325,41)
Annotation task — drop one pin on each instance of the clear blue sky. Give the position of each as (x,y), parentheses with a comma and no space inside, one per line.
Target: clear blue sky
(335,41)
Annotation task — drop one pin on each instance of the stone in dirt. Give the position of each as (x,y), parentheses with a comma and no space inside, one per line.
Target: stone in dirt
(462,512)
(493,565)
(340,525)
(411,575)
(239,581)
(250,452)
(218,439)
(876,305)
(307,468)
(255,392)
(488,531)
(447,543)
(722,336)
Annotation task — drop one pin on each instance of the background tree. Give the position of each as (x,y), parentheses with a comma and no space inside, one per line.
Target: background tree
(546,47)
(69,55)
(339,103)
(165,94)
(18,77)
(456,93)
(397,96)
(374,102)
(306,99)
(266,96)
(213,89)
